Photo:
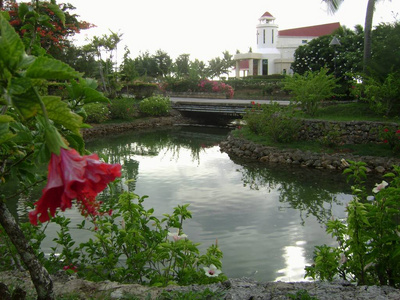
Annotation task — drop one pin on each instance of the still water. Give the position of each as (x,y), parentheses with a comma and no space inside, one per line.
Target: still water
(267,219)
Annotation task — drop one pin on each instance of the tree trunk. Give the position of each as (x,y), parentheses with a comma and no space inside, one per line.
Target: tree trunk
(367,34)
(39,275)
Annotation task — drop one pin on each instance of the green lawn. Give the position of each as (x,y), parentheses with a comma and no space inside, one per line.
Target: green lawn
(353,111)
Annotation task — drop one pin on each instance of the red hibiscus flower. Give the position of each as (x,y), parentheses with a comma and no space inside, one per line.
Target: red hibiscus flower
(70,177)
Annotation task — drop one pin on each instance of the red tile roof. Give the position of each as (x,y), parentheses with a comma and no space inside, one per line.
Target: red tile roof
(317,30)
(266,14)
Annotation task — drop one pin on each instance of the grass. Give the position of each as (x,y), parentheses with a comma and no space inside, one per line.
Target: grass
(379,150)
(354,111)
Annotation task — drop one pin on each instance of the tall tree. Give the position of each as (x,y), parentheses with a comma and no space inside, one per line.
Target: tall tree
(333,6)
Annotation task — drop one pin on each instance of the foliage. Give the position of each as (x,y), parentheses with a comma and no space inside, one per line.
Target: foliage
(96,113)
(123,109)
(301,295)
(182,66)
(383,97)
(219,66)
(142,241)
(109,76)
(192,295)
(44,23)
(368,242)
(129,245)
(311,89)
(272,121)
(34,127)
(209,86)
(385,45)
(331,139)
(317,54)
(181,85)
(140,89)
(145,65)
(155,106)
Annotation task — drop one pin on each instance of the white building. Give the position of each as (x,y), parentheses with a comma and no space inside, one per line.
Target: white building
(275,49)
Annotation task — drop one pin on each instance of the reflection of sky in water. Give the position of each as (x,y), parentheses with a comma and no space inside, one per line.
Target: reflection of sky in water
(260,235)
(257,233)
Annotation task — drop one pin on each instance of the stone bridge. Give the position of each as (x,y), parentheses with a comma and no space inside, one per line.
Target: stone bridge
(233,108)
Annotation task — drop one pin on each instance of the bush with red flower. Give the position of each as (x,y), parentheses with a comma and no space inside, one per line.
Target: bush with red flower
(37,128)
(392,138)
(212,86)
(48,24)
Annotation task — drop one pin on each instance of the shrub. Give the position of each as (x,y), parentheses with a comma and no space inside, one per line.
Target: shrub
(383,96)
(96,112)
(368,241)
(140,89)
(311,88)
(155,106)
(209,86)
(273,121)
(128,244)
(123,109)
(181,85)
(392,138)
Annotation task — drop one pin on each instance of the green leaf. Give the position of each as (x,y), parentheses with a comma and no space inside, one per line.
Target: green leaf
(23,9)
(11,47)
(27,60)
(24,98)
(57,11)
(5,133)
(50,68)
(92,95)
(76,141)
(92,83)
(59,112)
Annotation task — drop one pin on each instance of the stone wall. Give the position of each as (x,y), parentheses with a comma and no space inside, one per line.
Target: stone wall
(196,95)
(337,161)
(354,132)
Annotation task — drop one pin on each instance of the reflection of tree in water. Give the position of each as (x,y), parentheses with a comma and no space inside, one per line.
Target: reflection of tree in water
(312,192)
(123,148)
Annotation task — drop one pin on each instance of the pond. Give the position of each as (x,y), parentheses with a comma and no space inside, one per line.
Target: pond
(267,218)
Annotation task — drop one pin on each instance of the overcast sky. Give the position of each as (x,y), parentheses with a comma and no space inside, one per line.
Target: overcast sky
(204,29)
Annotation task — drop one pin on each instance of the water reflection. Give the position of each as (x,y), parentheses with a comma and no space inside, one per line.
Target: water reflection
(311,192)
(267,219)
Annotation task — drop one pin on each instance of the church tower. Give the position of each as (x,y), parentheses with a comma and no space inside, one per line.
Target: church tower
(267,34)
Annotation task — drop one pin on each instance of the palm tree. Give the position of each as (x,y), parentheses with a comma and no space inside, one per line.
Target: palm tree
(333,6)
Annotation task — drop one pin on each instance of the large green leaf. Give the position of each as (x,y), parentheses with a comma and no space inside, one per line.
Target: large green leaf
(50,68)
(11,47)
(92,95)
(85,91)
(5,133)
(59,112)
(24,97)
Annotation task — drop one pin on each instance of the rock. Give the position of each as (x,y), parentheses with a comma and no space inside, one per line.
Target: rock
(380,169)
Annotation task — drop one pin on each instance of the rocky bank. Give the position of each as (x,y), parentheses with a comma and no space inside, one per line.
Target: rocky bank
(70,287)
(335,161)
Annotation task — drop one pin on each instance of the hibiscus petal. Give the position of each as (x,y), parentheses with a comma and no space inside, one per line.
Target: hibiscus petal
(71,176)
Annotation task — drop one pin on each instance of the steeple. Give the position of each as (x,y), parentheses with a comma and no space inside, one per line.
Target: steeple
(267,33)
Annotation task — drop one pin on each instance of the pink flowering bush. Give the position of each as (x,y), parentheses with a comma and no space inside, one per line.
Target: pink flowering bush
(212,86)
